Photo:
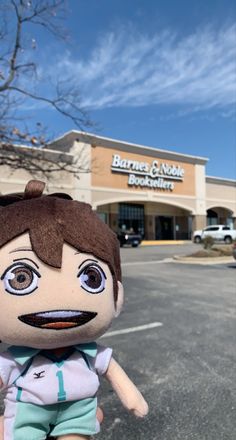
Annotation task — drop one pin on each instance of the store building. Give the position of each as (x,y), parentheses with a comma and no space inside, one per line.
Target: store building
(161,194)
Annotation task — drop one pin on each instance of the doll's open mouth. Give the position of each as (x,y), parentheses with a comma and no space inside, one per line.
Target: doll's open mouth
(58,319)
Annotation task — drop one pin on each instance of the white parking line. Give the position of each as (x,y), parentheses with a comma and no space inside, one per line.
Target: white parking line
(133,329)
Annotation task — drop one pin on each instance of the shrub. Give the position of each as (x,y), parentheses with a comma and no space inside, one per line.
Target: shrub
(208,242)
(225,250)
(205,253)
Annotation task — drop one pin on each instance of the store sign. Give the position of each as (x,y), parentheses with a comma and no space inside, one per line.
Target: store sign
(148,175)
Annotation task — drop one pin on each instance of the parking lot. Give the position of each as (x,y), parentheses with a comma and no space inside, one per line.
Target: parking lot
(183,357)
(186,368)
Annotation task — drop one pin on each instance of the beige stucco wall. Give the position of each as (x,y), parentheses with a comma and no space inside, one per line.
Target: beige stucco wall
(104,189)
(200,189)
(110,187)
(149,208)
(82,184)
(102,196)
(15,181)
(163,209)
(78,187)
(102,175)
(221,195)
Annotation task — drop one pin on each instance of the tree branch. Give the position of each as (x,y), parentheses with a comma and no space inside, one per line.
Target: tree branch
(17,62)
(39,160)
(57,103)
(16,48)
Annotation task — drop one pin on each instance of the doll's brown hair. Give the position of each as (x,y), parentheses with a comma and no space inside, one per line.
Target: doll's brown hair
(54,219)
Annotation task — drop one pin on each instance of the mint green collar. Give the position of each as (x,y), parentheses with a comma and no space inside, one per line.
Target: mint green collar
(90,348)
(24,354)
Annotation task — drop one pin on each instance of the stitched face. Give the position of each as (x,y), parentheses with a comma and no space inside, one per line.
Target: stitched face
(45,307)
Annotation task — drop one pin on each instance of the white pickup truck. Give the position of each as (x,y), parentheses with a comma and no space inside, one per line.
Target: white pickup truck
(218,232)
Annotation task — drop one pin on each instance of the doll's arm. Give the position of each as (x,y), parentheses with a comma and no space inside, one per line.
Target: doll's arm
(1,428)
(1,417)
(129,395)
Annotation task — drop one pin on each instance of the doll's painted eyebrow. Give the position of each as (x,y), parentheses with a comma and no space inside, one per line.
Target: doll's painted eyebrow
(21,249)
(88,259)
(29,259)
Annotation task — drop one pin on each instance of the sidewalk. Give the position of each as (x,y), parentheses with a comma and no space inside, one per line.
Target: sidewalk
(164,242)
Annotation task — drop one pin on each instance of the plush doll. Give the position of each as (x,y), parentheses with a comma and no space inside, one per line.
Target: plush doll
(60,288)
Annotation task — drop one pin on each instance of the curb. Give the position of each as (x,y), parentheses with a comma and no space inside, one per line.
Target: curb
(163,242)
(204,261)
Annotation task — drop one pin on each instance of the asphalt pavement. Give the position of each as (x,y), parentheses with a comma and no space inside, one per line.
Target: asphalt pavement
(186,366)
(154,253)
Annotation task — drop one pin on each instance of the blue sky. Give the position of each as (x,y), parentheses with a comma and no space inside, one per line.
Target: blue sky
(161,73)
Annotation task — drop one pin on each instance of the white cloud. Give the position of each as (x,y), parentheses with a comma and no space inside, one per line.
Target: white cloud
(129,69)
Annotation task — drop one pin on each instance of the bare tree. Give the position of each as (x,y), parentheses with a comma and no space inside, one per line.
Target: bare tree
(19,84)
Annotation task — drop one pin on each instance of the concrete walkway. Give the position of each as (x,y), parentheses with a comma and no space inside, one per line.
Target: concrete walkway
(163,242)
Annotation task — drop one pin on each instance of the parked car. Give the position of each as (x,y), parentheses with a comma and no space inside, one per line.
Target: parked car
(234,250)
(218,232)
(130,238)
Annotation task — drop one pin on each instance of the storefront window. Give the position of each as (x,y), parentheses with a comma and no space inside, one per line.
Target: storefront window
(212,218)
(131,217)
(102,216)
(165,227)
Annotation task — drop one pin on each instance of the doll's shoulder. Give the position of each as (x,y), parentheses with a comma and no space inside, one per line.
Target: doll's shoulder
(102,359)
(7,358)
(8,367)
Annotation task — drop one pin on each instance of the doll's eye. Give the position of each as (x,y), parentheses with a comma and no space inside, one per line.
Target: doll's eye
(20,279)
(92,278)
